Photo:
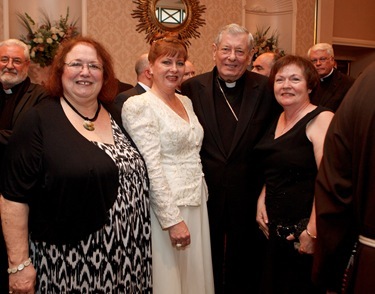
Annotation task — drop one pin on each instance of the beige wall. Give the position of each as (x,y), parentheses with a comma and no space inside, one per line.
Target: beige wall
(1,21)
(110,21)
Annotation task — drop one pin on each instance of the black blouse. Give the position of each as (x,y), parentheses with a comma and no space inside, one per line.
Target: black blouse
(68,182)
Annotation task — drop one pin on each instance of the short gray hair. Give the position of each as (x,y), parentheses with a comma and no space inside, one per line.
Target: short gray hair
(322,46)
(235,29)
(16,42)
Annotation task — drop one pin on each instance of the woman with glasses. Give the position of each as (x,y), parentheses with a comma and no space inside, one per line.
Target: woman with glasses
(75,205)
(168,134)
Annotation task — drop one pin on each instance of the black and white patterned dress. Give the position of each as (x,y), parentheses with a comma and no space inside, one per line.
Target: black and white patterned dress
(116,258)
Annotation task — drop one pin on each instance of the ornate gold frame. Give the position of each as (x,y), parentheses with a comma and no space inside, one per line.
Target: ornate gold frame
(145,12)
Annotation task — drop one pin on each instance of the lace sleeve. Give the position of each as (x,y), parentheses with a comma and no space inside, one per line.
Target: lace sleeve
(142,124)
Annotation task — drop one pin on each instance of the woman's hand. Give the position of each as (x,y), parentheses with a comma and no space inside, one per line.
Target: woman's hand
(307,243)
(23,281)
(261,216)
(179,235)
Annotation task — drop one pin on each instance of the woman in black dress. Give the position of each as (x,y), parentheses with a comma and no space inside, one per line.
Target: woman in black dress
(290,154)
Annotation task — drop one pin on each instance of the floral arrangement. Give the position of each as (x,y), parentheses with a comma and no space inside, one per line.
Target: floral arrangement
(263,43)
(44,39)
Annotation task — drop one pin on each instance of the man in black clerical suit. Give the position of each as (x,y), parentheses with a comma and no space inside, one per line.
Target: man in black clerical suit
(17,95)
(333,84)
(234,106)
(144,81)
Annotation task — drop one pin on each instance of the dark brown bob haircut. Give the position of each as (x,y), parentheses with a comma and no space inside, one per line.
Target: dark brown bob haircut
(167,45)
(308,69)
(109,89)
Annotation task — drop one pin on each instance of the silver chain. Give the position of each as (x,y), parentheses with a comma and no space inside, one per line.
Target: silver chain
(226,100)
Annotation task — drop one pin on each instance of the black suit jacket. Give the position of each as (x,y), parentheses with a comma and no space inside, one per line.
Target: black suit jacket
(123,86)
(232,179)
(121,97)
(33,95)
(331,92)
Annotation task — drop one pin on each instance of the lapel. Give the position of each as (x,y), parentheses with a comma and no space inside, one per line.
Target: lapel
(207,106)
(250,98)
(20,107)
(333,87)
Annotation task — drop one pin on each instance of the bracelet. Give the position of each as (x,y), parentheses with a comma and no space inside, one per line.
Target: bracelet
(310,235)
(20,267)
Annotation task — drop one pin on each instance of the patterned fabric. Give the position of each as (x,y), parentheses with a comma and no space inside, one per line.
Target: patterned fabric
(116,258)
(171,151)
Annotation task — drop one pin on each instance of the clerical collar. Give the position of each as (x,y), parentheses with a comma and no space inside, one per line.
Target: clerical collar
(322,79)
(8,91)
(229,84)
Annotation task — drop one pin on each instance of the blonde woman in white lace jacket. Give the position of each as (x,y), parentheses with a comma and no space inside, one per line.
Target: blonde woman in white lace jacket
(169,136)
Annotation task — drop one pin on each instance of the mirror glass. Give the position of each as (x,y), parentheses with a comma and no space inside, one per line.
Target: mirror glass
(170,13)
(177,16)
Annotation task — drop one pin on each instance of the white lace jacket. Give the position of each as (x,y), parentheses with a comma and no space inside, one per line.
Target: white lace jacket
(170,146)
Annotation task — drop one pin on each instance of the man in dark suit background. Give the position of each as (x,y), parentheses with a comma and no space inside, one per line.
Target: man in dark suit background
(17,96)
(333,84)
(234,106)
(144,81)
(123,86)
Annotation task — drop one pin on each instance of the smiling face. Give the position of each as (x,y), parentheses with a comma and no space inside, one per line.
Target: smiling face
(13,66)
(232,56)
(82,82)
(167,72)
(290,86)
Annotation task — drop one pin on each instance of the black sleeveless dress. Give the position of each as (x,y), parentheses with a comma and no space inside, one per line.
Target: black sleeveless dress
(289,167)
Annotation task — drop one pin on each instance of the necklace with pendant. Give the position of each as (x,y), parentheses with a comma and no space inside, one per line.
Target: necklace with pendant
(88,123)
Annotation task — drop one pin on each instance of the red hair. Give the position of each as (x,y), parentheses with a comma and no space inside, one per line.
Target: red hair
(109,89)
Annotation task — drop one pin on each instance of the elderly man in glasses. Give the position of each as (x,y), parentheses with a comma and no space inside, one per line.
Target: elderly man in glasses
(333,84)
(17,95)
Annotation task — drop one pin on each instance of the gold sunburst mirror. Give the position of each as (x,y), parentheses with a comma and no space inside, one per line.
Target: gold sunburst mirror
(182,16)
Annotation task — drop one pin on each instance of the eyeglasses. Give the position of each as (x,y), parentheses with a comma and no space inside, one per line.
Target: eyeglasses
(15,61)
(228,51)
(321,60)
(79,66)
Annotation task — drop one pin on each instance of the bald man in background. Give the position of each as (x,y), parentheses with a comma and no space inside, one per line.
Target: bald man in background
(144,81)
(264,62)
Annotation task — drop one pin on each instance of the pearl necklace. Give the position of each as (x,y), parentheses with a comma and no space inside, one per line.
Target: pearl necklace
(88,123)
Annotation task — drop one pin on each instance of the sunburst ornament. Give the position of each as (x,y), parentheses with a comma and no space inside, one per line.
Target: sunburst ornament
(148,22)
